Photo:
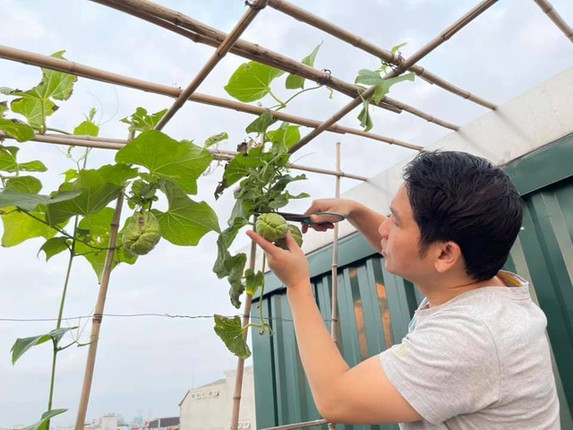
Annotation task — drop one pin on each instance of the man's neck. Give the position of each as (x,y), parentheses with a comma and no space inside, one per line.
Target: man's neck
(442,292)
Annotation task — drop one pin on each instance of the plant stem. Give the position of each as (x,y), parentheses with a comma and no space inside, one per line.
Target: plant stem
(57,130)
(300,92)
(59,322)
(279,101)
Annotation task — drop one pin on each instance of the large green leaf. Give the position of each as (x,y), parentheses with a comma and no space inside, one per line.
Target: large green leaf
(36,104)
(251,81)
(16,129)
(95,233)
(371,77)
(30,201)
(20,226)
(23,184)
(97,188)
(54,246)
(263,121)
(46,417)
(179,162)
(24,344)
(242,165)
(294,81)
(285,137)
(231,333)
(185,221)
(8,162)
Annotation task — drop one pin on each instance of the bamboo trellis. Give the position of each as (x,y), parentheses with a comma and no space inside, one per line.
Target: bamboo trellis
(224,43)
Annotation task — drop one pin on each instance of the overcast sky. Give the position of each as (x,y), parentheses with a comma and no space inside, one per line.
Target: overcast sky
(145,365)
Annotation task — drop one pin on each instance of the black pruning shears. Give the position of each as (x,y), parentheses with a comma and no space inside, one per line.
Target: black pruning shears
(305,219)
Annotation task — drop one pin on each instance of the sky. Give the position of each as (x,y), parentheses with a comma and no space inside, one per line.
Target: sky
(145,365)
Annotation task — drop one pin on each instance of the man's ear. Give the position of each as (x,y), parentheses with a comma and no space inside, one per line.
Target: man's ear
(449,255)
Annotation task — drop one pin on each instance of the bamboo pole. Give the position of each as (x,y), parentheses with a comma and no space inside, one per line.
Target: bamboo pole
(201,33)
(98,317)
(334,271)
(554,16)
(115,144)
(113,78)
(426,49)
(241,361)
(220,52)
(387,56)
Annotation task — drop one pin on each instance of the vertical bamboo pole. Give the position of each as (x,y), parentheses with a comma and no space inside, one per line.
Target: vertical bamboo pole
(98,314)
(241,361)
(334,272)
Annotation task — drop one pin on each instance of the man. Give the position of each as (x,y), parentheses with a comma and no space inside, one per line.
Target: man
(476,356)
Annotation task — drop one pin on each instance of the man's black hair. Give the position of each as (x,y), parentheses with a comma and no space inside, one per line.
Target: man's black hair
(459,197)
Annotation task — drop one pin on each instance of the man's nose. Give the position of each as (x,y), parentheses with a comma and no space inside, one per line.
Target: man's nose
(383,229)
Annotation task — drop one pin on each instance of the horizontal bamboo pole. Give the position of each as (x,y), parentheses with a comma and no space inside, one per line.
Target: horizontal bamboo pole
(52,63)
(115,144)
(387,56)
(547,7)
(220,52)
(424,50)
(201,33)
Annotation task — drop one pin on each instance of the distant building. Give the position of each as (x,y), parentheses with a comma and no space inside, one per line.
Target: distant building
(168,423)
(210,407)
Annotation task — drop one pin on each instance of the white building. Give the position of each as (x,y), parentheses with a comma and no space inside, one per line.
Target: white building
(210,407)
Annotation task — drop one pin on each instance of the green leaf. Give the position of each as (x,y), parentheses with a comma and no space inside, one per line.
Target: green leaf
(254,281)
(186,221)
(36,104)
(242,165)
(23,184)
(55,246)
(293,81)
(251,81)
(17,129)
(368,77)
(34,108)
(43,423)
(263,121)
(384,87)
(231,333)
(24,344)
(30,201)
(213,140)
(8,161)
(142,121)
(95,231)
(178,162)
(364,116)
(54,84)
(96,188)
(397,47)
(19,226)
(86,128)
(286,136)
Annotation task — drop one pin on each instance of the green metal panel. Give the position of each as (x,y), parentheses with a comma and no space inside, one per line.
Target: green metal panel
(375,306)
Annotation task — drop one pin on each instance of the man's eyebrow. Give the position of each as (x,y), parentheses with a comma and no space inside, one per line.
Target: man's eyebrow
(394,214)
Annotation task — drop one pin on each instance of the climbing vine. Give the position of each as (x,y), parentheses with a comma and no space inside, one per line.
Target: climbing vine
(76,217)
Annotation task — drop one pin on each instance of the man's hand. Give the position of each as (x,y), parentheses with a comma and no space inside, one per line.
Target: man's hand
(290,266)
(326,222)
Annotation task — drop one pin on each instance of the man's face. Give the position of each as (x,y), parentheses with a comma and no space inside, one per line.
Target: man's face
(401,241)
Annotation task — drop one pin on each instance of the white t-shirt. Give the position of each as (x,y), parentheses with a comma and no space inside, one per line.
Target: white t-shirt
(479,361)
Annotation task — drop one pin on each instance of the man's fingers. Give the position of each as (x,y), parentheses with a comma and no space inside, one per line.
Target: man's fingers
(262,242)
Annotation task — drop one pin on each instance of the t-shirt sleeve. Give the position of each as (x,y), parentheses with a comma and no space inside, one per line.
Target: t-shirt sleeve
(446,367)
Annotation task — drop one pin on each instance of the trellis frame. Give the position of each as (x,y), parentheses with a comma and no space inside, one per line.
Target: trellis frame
(224,43)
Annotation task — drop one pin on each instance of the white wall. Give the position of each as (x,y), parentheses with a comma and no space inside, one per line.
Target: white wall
(210,407)
(534,119)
